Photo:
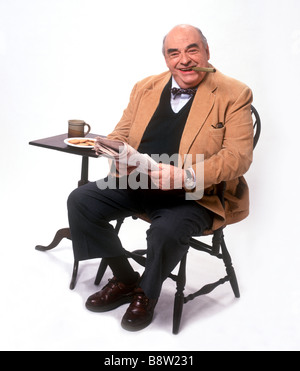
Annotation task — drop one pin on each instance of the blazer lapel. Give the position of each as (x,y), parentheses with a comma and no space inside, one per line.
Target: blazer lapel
(203,104)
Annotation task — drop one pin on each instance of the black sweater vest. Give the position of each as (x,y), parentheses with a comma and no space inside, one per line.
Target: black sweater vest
(164,131)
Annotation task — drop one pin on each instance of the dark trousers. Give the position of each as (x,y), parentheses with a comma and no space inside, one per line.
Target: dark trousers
(173,221)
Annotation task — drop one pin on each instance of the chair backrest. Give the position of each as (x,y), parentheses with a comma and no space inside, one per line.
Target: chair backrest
(256,125)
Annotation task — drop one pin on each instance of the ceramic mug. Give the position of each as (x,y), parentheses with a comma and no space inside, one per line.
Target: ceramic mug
(76,128)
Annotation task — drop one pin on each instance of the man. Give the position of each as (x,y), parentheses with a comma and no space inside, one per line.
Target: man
(214,122)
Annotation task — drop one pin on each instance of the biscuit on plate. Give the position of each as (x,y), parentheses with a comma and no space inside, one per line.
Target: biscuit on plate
(74,141)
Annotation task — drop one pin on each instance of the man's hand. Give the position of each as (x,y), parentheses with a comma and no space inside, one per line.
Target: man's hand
(168,177)
(123,169)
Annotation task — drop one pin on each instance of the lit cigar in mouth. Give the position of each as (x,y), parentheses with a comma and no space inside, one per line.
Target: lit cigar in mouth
(203,69)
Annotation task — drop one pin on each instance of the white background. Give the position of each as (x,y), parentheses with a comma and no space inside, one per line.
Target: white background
(66,59)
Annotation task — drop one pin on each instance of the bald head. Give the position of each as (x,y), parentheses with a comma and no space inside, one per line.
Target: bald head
(183,29)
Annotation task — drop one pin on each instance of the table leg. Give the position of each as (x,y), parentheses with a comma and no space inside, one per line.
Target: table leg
(62,233)
(84,171)
(74,275)
(65,232)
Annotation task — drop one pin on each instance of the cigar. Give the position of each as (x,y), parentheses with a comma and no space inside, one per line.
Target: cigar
(204,69)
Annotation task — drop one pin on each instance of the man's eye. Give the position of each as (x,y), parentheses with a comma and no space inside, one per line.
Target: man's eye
(193,51)
(174,55)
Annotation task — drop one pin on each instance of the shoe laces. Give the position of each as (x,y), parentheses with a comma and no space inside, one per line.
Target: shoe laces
(113,282)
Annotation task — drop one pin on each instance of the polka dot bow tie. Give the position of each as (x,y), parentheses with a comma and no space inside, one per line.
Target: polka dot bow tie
(177,91)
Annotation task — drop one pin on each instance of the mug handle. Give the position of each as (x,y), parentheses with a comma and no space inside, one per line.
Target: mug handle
(88,130)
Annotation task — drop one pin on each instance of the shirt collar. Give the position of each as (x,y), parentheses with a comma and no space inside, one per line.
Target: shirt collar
(174,83)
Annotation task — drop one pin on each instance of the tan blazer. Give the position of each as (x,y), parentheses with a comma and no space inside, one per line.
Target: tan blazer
(227,150)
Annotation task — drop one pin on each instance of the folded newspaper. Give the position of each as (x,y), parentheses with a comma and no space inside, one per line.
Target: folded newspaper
(124,154)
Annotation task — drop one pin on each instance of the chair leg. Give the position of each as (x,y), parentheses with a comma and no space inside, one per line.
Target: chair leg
(230,270)
(74,275)
(234,283)
(119,224)
(101,270)
(179,296)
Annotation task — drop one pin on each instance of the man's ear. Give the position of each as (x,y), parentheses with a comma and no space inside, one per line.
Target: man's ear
(208,53)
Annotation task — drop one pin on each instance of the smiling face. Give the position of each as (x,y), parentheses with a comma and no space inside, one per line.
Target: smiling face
(184,48)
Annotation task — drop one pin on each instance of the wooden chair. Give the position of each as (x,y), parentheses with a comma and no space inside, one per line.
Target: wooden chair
(217,249)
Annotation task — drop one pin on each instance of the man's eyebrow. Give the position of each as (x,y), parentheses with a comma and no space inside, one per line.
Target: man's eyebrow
(169,51)
(194,45)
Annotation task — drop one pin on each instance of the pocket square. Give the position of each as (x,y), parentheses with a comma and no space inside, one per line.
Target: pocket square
(219,125)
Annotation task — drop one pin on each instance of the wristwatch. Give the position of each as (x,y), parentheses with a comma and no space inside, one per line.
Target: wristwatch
(189,181)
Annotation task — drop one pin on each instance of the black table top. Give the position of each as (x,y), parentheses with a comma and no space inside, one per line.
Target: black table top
(57,143)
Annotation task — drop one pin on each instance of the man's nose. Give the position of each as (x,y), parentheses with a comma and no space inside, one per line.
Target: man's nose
(185,59)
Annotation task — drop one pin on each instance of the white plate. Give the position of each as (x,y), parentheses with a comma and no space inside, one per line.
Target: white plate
(67,141)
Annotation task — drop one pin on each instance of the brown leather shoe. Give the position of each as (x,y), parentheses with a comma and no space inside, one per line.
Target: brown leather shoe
(113,295)
(139,315)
